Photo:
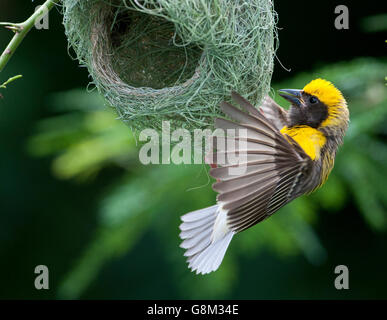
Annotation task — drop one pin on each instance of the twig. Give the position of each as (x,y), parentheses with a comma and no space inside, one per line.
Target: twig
(4,85)
(21,29)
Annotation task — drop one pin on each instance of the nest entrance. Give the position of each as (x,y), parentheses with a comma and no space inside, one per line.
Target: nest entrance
(143,50)
(149,53)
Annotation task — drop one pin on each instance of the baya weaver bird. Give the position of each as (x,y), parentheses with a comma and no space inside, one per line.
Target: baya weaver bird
(287,154)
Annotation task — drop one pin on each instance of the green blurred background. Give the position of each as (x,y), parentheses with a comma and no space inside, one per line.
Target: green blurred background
(74,197)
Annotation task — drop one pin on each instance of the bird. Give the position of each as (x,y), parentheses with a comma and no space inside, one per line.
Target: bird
(286,154)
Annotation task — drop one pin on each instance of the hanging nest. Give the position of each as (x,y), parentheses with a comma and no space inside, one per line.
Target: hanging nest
(157,60)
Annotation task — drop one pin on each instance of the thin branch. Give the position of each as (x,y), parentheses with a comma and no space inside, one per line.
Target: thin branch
(21,29)
(4,85)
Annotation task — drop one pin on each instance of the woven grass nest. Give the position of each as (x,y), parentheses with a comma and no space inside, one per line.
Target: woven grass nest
(173,60)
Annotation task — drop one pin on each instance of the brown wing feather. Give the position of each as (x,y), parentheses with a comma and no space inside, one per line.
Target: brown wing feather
(274,112)
(273,166)
(247,106)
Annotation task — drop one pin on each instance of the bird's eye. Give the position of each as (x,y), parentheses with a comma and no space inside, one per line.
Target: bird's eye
(313,100)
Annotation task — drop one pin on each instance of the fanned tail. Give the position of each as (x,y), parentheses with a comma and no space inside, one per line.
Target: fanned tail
(206,237)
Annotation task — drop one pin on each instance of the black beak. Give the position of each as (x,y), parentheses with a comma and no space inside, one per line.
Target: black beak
(292,95)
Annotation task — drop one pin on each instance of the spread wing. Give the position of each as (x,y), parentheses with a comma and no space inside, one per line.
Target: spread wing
(268,170)
(274,113)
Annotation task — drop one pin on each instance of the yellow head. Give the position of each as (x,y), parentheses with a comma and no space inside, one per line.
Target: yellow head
(318,105)
(332,98)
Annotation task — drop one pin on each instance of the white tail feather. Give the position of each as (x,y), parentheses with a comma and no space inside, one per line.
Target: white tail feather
(206,238)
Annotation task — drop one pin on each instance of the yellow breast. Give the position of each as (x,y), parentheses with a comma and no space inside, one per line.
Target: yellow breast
(310,140)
